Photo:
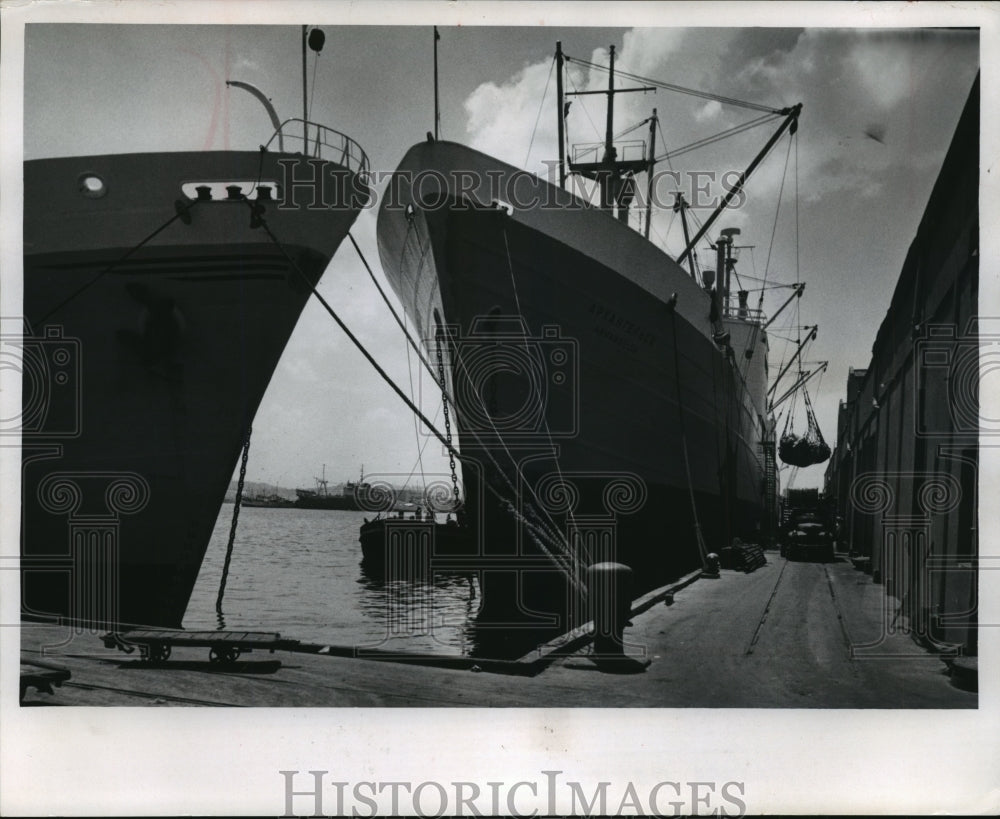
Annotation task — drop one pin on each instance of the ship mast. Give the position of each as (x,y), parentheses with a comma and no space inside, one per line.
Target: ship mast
(314,39)
(561,114)
(305,98)
(321,483)
(609,138)
(612,175)
(651,163)
(616,177)
(437,109)
(680,205)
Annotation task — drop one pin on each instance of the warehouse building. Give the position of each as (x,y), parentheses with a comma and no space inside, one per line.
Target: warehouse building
(904,470)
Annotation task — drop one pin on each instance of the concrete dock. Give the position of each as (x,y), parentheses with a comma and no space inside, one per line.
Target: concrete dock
(788,635)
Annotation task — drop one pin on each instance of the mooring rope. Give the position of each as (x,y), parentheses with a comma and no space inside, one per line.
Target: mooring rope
(402,326)
(353,338)
(183,212)
(565,559)
(445,394)
(260,221)
(702,550)
(237,501)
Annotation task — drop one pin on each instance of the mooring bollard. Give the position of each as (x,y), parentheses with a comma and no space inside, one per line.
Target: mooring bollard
(609,589)
(711,568)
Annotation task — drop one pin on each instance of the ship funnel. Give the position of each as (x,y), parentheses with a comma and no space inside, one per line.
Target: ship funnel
(724,261)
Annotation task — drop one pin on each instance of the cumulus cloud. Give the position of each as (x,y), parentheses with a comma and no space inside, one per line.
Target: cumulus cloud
(884,68)
(837,206)
(502,117)
(709,110)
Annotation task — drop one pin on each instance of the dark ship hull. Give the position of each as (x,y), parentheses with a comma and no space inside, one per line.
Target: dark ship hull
(598,419)
(157,317)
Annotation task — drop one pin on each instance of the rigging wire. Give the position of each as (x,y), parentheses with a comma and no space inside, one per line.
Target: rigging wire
(416,426)
(410,344)
(539,116)
(774,226)
(670,224)
(666,152)
(739,284)
(785,338)
(392,309)
(445,396)
(632,128)
(183,211)
(819,382)
(584,107)
(699,538)
(798,302)
(711,140)
(677,88)
(775,286)
(667,159)
(699,225)
(312,92)
(759,289)
(347,331)
(694,218)
(420,451)
(572,564)
(796,210)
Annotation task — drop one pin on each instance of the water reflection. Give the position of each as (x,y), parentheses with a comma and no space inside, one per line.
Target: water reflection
(438,607)
(299,572)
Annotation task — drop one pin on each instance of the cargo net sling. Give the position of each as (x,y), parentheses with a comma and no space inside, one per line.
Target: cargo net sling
(803,450)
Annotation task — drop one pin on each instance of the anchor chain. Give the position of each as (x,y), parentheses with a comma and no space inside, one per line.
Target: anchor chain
(447,418)
(232,528)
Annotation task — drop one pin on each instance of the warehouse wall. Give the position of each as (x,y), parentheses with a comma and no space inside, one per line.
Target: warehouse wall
(904,471)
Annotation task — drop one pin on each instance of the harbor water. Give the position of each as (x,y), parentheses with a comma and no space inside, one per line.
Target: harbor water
(298,572)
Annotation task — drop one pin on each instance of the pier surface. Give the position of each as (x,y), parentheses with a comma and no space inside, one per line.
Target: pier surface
(788,635)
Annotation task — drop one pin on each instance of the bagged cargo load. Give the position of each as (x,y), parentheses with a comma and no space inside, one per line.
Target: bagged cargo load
(803,450)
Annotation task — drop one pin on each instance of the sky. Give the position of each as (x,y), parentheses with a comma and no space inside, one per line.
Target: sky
(849,203)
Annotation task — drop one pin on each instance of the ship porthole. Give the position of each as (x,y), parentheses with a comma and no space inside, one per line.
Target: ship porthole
(92,186)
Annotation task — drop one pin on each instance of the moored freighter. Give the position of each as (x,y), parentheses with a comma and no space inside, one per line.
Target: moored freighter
(160,290)
(610,406)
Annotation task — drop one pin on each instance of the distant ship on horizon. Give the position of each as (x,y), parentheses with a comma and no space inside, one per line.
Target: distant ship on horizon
(321,498)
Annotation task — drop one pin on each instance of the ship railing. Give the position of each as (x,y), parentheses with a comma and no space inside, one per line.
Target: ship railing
(297,135)
(632,150)
(744,313)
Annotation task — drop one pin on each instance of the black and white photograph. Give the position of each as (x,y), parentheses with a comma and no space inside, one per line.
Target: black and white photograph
(523,408)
